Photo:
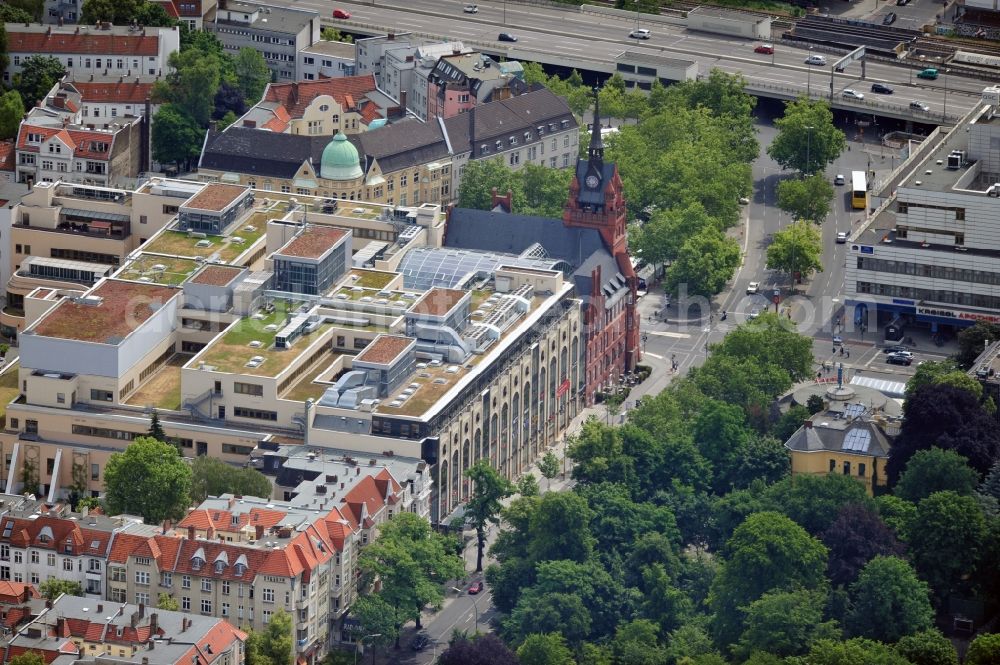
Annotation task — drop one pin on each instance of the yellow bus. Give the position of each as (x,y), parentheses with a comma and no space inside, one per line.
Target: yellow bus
(859,190)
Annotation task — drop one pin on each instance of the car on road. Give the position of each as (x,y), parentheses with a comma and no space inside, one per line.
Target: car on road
(767,49)
(841,237)
(420,642)
(471,9)
(752,288)
(753,314)
(930,73)
(889,18)
(506,37)
(639,33)
(341,13)
(851,93)
(899,359)
(816,60)
(920,106)
(839,179)
(475,588)
(895,348)
(902,3)
(838,340)
(881,88)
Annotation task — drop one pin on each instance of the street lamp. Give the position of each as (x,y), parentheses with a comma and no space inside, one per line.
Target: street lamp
(475,605)
(361,643)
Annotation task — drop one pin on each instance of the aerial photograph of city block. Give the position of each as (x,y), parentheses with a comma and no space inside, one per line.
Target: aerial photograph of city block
(509,332)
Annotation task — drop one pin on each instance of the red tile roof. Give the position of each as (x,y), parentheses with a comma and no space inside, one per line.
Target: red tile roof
(222,520)
(125,92)
(58,532)
(279,122)
(7,155)
(295,97)
(84,43)
(16,592)
(123,546)
(15,616)
(84,143)
(169,7)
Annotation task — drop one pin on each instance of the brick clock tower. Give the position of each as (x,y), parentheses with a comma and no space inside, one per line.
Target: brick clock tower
(596,201)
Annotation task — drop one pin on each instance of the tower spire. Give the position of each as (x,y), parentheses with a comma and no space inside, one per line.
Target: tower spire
(596,152)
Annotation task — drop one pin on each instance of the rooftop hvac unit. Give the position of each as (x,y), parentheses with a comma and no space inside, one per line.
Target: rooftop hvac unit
(994,191)
(955,160)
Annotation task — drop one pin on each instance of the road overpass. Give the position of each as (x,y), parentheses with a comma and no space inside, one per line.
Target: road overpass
(589,39)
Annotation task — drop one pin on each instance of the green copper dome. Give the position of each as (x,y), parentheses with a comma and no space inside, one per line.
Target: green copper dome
(340,160)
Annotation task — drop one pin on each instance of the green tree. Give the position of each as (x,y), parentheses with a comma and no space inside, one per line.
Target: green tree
(483,508)
(984,650)
(252,74)
(193,83)
(796,249)
(549,467)
(4,59)
(660,239)
(527,485)
(785,623)
(928,647)
(376,619)
(807,139)
(770,341)
(636,643)
(411,561)
(38,74)
(273,645)
(559,528)
(28,658)
(331,34)
(148,478)
(210,476)
(547,649)
(815,404)
(11,112)
(790,422)
(973,340)
(896,513)
(11,14)
(118,12)
(807,199)
(942,373)
(52,588)
(177,138)
(153,14)
(781,554)
(888,601)
(991,483)
(856,651)
(155,428)
(167,602)
(705,263)
(480,177)
(35,8)
(946,537)
(936,470)
(815,501)
(545,189)
(226,120)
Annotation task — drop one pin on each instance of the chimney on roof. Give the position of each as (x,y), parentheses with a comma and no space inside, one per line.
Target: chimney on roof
(191,532)
(121,79)
(402,103)
(259,531)
(391,36)
(808,424)
(134,619)
(145,661)
(77,31)
(60,20)
(151,642)
(166,526)
(154,623)
(184,624)
(100,608)
(48,30)
(142,610)
(210,533)
(48,603)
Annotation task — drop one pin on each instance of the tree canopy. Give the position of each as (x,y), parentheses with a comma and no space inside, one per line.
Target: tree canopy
(210,476)
(148,478)
(936,470)
(888,601)
(483,508)
(37,76)
(796,249)
(11,113)
(855,537)
(807,139)
(806,199)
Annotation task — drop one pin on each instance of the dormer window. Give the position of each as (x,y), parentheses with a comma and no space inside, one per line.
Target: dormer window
(499,145)
(324,108)
(219,567)
(513,140)
(197,563)
(483,149)
(239,569)
(527,136)
(35,138)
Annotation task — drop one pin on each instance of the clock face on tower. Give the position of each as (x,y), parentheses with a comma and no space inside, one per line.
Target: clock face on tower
(592,181)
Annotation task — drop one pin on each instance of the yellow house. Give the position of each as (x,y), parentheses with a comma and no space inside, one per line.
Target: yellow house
(837,442)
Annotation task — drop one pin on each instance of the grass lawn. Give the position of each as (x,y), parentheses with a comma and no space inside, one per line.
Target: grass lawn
(163,389)
(372,279)
(304,388)
(177,269)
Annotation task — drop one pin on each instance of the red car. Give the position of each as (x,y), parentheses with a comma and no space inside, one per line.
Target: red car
(341,13)
(475,588)
(764,48)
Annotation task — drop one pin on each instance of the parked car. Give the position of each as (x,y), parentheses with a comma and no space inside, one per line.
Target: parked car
(895,348)
(639,33)
(420,642)
(851,93)
(840,179)
(919,106)
(506,37)
(471,9)
(475,588)
(930,73)
(838,340)
(752,288)
(889,18)
(816,60)
(341,13)
(899,359)
(767,49)
(881,88)
(841,237)
(902,3)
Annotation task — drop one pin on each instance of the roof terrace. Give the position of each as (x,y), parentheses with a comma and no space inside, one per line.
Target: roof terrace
(221,248)
(252,339)
(158,269)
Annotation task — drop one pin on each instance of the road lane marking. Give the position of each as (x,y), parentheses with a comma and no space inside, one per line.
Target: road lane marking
(653,355)
(675,335)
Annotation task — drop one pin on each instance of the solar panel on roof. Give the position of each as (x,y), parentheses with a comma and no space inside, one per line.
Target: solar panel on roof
(857,440)
(854,410)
